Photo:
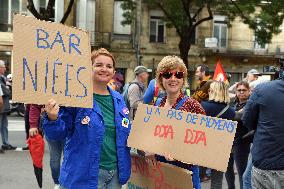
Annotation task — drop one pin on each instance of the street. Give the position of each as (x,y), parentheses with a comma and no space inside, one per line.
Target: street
(16,166)
(17,169)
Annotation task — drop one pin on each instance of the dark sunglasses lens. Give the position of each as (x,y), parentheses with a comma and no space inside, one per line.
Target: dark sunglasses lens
(167,75)
(179,75)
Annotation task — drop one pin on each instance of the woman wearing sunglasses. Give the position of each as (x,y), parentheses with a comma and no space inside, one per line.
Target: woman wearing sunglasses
(171,77)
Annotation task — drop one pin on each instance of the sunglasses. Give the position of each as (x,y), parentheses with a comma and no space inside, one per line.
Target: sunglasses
(168,75)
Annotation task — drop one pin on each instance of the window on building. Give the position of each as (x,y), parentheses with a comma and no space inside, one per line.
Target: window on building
(42,8)
(118,28)
(57,10)
(258,46)
(85,17)
(235,77)
(220,31)
(7,10)
(157,29)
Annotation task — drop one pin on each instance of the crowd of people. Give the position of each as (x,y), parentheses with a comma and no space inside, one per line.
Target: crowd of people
(94,140)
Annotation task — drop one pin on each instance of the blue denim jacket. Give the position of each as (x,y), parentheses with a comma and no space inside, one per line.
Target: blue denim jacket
(84,139)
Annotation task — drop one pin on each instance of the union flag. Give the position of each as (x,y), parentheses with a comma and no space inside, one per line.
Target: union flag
(219,74)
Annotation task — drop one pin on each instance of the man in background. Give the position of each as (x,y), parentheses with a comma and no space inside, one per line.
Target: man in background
(264,114)
(137,88)
(204,81)
(6,108)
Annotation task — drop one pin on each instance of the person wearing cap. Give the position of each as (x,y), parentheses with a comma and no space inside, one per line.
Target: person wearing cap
(252,75)
(251,78)
(137,88)
(6,108)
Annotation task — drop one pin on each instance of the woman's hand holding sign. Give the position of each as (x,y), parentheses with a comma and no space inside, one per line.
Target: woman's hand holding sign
(168,157)
(52,109)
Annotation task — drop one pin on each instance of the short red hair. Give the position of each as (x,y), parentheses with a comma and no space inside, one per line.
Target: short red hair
(102,51)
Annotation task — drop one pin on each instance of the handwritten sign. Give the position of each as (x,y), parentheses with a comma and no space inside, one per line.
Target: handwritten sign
(192,138)
(162,176)
(51,60)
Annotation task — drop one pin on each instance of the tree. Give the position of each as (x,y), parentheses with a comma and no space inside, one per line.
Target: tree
(264,17)
(46,15)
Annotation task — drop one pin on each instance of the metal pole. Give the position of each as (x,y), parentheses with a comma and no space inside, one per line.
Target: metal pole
(138,31)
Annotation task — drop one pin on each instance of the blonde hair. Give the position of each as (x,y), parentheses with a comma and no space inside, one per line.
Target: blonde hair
(102,51)
(219,92)
(170,63)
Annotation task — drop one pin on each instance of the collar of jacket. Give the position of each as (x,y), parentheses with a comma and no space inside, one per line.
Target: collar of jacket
(207,78)
(117,99)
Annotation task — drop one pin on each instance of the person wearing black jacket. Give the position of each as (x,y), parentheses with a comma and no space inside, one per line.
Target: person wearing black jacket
(1,106)
(264,114)
(241,147)
(6,108)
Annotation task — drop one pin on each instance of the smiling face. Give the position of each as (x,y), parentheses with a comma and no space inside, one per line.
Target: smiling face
(103,69)
(173,84)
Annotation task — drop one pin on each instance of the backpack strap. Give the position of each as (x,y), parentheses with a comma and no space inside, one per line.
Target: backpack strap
(158,102)
(181,102)
(156,92)
(141,89)
(223,111)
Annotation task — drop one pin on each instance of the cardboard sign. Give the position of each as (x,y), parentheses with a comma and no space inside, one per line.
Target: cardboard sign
(51,60)
(162,176)
(187,137)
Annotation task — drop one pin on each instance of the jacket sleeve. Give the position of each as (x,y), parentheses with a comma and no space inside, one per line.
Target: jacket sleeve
(251,111)
(150,92)
(34,115)
(202,93)
(60,128)
(134,96)
(6,91)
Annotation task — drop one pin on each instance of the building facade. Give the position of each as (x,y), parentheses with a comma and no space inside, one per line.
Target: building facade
(236,47)
(10,7)
(148,39)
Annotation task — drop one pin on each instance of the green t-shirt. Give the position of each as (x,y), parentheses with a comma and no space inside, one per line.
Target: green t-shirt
(108,160)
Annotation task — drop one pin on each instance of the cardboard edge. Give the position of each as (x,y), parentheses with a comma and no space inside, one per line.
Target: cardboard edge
(19,15)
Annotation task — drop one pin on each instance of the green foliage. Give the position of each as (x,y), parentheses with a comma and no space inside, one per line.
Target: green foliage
(129,7)
(264,17)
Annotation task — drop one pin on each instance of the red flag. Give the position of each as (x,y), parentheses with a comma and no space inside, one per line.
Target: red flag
(219,74)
